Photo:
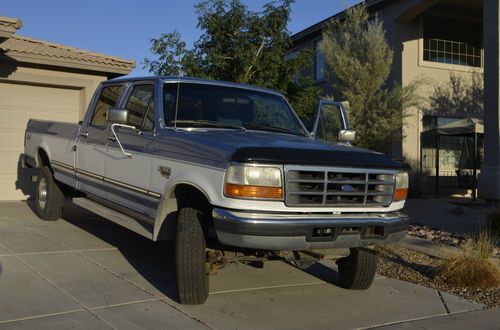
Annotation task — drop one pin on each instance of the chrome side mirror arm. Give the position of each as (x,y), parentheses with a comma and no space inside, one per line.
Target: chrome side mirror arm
(128,154)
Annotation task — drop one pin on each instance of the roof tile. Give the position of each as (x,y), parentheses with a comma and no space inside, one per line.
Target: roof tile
(49,50)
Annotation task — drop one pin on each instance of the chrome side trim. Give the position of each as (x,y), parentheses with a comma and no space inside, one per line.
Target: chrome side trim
(133,188)
(89,174)
(63,165)
(120,184)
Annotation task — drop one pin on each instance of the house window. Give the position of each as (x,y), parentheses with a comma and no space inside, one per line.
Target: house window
(319,72)
(452,41)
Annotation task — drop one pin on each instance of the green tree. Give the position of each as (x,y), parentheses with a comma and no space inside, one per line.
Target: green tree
(240,45)
(359,61)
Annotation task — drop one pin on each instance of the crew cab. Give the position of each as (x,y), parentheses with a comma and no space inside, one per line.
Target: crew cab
(219,166)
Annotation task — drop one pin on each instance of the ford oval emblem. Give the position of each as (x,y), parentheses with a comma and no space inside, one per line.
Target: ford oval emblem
(347,188)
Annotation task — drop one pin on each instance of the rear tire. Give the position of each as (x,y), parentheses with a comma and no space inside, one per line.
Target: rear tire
(357,271)
(49,196)
(190,257)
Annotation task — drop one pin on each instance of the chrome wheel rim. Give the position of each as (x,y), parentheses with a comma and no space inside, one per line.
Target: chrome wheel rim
(42,193)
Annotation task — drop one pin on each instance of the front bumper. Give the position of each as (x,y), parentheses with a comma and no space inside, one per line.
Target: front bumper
(292,231)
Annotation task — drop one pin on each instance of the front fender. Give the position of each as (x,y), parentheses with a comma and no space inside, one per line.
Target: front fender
(208,181)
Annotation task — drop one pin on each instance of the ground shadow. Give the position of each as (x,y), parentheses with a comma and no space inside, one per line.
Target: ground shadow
(427,271)
(23,181)
(323,272)
(154,261)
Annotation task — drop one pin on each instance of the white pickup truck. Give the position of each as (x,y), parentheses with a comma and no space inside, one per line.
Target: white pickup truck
(221,167)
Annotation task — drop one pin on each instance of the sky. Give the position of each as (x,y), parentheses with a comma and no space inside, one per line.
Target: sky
(124,28)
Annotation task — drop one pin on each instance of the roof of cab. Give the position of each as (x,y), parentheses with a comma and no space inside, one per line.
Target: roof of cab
(195,80)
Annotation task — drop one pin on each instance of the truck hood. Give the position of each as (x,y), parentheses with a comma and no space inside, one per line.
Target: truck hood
(276,148)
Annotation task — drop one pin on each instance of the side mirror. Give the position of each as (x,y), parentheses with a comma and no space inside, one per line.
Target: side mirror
(117,116)
(347,135)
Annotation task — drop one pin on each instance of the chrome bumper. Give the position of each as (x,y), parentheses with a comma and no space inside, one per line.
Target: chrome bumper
(280,231)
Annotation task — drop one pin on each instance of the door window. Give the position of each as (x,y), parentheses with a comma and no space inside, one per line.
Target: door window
(107,100)
(330,122)
(140,107)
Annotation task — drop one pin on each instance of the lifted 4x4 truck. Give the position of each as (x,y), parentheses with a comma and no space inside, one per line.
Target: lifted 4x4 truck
(228,171)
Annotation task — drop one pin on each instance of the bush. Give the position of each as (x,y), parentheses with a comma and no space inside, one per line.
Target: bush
(471,266)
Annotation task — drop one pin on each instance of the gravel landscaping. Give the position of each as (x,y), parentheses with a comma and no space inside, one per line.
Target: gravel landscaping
(443,237)
(420,268)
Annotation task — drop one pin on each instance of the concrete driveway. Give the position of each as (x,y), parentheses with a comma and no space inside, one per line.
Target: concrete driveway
(85,272)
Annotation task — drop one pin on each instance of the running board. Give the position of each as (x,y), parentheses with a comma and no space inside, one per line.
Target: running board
(123,220)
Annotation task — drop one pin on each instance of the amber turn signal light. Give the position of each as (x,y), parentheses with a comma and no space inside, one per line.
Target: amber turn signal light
(241,191)
(400,194)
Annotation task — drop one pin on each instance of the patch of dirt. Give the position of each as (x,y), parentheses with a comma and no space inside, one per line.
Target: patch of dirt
(420,268)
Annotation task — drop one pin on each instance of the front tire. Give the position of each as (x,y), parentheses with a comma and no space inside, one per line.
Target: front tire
(49,196)
(190,257)
(357,271)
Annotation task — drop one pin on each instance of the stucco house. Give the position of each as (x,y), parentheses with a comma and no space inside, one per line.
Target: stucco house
(42,80)
(433,40)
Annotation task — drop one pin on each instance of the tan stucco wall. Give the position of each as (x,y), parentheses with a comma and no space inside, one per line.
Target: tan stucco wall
(85,83)
(406,38)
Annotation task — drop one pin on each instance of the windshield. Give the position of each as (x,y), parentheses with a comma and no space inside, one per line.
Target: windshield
(215,106)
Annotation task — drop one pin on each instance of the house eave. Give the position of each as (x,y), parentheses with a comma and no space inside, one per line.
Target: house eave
(318,27)
(64,63)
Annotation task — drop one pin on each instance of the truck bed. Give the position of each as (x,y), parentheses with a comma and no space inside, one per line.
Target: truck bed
(55,139)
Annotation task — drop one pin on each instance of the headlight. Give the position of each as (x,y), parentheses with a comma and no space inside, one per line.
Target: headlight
(247,181)
(402,183)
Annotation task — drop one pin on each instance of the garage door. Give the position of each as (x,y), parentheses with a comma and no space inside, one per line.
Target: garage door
(18,103)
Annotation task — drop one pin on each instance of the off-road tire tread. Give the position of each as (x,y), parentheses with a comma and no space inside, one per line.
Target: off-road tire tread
(190,258)
(357,271)
(55,197)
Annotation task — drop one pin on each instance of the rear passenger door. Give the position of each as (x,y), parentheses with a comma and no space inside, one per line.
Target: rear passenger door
(129,177)
(91,145)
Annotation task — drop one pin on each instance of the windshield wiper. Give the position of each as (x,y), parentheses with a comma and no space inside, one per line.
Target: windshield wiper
(206,123)
(271,128)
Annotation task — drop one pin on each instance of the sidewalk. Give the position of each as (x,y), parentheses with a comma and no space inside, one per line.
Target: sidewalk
(86,272)
(458,215)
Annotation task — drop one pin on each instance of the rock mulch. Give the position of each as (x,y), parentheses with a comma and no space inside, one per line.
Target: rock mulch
(417,267)
(443,237)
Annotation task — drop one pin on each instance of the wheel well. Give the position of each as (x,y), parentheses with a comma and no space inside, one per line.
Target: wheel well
(181,195)
(186,194)
(42,159)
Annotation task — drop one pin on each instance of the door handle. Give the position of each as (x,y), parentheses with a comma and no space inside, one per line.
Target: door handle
(84,134)
(111,138)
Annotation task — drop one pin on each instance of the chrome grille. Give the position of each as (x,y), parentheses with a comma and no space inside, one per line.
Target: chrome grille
(327,186)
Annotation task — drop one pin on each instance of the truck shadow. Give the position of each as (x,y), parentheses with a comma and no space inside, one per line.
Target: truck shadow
(154,261)
(23,181)
(323,272)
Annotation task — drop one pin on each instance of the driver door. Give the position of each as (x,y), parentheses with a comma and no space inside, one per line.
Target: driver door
(331,123)
(129,175)
(92,139)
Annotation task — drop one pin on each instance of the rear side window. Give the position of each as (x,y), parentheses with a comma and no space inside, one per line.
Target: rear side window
(107,100)
(140,107)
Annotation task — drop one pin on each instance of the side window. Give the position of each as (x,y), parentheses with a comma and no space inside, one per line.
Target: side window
(330,123)
(107,100)
(140,107)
